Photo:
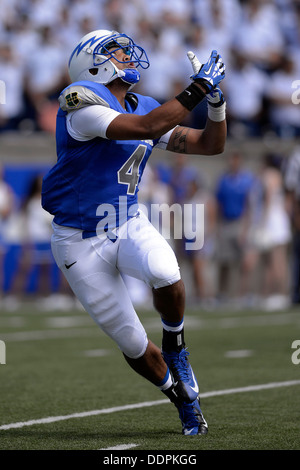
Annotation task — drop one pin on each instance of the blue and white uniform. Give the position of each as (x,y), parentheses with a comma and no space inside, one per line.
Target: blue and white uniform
(88,173)
(99,233)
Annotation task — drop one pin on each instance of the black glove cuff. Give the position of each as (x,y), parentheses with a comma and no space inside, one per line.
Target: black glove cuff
(191,96)
(218,104)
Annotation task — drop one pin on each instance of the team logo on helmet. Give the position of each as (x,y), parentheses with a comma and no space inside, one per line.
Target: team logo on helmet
(72,100)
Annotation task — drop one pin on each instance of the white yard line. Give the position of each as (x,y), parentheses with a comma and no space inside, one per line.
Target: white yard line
(250,388)
(98,352)
(121,447)
(239,353)
(151,324)
(49,334)
(85,414)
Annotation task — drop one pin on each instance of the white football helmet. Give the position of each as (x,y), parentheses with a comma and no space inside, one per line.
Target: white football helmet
(90,59)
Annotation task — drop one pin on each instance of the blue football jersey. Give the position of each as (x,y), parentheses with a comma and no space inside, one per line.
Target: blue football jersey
(96,180)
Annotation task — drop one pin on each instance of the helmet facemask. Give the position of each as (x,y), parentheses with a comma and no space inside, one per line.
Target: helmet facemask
(107,48)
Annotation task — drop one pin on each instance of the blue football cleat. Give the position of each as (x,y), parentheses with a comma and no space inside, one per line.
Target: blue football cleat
(185,383)
(192,419)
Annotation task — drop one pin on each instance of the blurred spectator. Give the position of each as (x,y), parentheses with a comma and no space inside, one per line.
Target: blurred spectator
(12,74)
(289,11)
(32,228)
(250,292)
(68,29)
(38,220)
(46,75)
(233,191)
(244,90)
(293,28)
(6,200)
(174,21)
(292,186)
(258,33)
(188,189)
(23,38)
(7,13)
(29,265)
(163,70)
(218,19)
(38,224)
(181,175)
(201,260)
(213,13)
(44,278)
(274,235)
(176,13)
(6,208)
(43,12)
(284,114)
(15,263)
(121,15)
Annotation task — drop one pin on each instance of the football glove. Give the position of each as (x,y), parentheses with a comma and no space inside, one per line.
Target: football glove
(216,105)
(215,98)
(208,75)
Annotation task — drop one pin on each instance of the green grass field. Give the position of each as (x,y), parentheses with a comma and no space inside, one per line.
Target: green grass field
(59,364)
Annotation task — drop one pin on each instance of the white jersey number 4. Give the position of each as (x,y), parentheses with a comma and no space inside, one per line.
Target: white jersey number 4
(129,172)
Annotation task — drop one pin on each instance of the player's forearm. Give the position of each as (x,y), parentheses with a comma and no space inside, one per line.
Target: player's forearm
(165,117)
(173,112)
(209,141)
(150,126)
(158,121)
(212,140)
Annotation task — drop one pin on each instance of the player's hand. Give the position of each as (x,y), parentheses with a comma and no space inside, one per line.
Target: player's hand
(215,98)
(208,75)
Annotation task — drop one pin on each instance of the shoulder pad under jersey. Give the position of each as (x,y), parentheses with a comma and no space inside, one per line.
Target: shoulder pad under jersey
(78,96)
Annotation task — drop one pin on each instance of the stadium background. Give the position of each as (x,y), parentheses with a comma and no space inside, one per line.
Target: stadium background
(259,42)
(58,363)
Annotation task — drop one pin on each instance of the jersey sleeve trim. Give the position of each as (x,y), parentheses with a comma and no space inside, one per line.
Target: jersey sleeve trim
(164,140)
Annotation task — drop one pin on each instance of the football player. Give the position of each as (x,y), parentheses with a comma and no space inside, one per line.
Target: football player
(105,135)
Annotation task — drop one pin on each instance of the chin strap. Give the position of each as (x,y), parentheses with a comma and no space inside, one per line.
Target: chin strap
(111,72)
(131,76)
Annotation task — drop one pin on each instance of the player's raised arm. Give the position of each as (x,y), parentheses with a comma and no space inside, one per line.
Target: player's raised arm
(209,141)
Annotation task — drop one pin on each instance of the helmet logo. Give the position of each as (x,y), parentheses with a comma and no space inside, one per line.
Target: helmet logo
(72,100)
(81,46)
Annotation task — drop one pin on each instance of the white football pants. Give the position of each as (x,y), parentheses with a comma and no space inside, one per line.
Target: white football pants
(93,268)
